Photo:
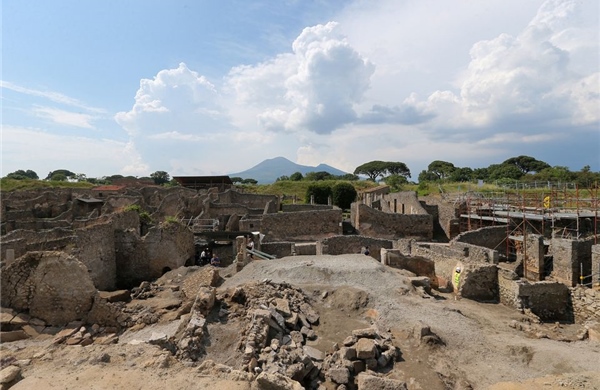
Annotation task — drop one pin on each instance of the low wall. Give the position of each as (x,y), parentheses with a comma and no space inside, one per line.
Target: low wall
(420,266)
(550,301)
(306,248)
(492,237)
(278,249)
(291,208)
(301,226)
(476,254)
(375,223)
(339,245)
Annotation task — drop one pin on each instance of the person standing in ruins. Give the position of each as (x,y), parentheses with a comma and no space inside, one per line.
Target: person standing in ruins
(215,261)
(250,246)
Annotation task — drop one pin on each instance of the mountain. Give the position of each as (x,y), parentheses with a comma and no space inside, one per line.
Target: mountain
(269,170)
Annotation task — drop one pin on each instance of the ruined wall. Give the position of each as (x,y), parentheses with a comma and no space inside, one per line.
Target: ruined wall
(278,249)
(533,250)
(375,223)
(292,208)
(255,201)
(596,265)
(52,286)
(305,248)
(130,257)
(23,241)
(550,301)
(217,209)
(445,257)
(586,304)
(95,248)
(251,224)
(475,254)
(492,237)
(569,256)
(404,202)
(301,226)
(420,266)
(169,245)
(448,215)
(509,288)
(480,283)
(339,245)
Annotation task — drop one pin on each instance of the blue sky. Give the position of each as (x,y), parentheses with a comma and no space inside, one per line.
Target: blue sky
(214,87)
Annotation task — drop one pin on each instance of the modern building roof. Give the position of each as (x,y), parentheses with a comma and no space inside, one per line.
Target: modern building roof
(197,182)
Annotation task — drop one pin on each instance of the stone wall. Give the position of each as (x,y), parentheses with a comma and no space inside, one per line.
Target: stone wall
(301,226)
(420,266)
(250,224)
(305,248)
(475,254)
(168,247)
(569,256)
(509,288)
(23,241)
(95,248)
(448,215)
(550,301)
(404,202)
(131,264)
(480,283)
(586,304)
(596,265)
(375,223)
(52,286)
(278,249)
(339,245)
(255,201)
(493,237)
(291,208)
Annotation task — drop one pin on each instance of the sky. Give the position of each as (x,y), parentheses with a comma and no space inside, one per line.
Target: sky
(200,87)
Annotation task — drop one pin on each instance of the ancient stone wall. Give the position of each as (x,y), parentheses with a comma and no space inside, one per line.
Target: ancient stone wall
(550,301)
(256,201)
(586,304)
(305,248)
(492,237)
(292,208)
(250,224)
(375,223)
(404,202)
(420,266)
(339,245)
(131,263)
(168,246)
(596,265)
(301,226)
(480,283)
(278,249)
(448,215)
(445,257)
(509,288)
(22,241)
(52,286)
(569,257)
(476,254)
(95,248)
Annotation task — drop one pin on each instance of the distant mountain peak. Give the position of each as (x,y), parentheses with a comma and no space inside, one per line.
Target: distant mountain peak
(270,169)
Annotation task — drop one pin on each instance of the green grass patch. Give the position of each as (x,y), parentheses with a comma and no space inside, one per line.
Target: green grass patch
(8,185)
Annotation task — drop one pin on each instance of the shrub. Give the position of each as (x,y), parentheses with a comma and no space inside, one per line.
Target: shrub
(320,191)
(343,195)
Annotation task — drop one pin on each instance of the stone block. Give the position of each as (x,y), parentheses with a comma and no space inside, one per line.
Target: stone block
(13,335)
(365,349)
(339,375)
(115,296)
(370,382)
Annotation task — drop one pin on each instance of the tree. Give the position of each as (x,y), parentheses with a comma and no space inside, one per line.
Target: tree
(160,177)
(375,169)
(372,169)
(504,171)
(442,169)
(317,176)
(58,177)
(349,177)
(527,164)
(461,174)
(236,179)
(320,191)
(22,175)
(427,176)
(343,194)
(395,182)
(283,178)
(296,176)
(64,172)
(249,181)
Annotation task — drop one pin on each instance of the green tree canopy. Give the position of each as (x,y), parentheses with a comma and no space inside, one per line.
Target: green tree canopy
(427,176)
(375,169)
(160,177)
(296,176)
(320,191)
(442,169)
(343,194)
(22,175)
(395,182)
(504,171)
(64,172)
(317,176)
(236,179)
(250,181)
(282,178)
(527,164)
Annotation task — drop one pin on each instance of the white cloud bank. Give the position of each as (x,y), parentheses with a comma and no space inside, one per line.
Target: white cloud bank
(337,99)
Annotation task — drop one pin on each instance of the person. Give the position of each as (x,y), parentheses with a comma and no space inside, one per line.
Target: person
(215,261)
(367,251)
(250,246)
(204,257)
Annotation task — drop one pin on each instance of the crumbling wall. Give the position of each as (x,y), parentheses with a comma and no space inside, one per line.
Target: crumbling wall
(168,246)
(420,266)
(404,202)
(475,254)
(300,226)
(130,257)
(586,304)
(52,286)
(479,283)
(375,223)
(492,237)
(95,248)
(550,301)
(23,241)
(255,201)
(339,245)
(509,288)
(305,248)
(278,249)
(251,224)
(292,208)
(448,215)
(569,258)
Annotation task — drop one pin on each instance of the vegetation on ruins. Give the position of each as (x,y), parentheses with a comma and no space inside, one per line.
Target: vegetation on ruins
(144,215)
(160,177)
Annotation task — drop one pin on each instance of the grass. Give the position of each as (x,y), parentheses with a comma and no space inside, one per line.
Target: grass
(8,185)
